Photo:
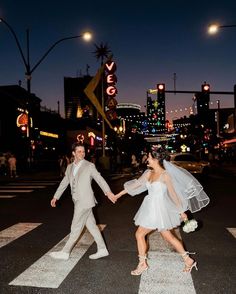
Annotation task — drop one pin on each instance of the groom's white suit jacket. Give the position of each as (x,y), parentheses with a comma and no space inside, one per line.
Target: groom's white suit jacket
(81,188)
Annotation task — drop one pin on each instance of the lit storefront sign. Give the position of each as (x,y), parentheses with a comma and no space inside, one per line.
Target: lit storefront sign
(46,134)
(80,138)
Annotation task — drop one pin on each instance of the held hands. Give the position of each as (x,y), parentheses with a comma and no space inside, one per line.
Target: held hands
(111,197)
(118,195)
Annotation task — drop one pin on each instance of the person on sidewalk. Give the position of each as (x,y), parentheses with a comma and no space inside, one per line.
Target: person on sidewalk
(12,166)
(79,175)
(171,191)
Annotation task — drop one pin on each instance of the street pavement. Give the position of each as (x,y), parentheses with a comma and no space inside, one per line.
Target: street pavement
(30,229)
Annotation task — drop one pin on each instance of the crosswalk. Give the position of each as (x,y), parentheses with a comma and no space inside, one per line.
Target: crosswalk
(16,231)
(14,189)
(165,273)
(50,273)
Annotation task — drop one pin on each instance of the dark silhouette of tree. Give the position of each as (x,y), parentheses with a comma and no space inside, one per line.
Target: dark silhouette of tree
(102,51)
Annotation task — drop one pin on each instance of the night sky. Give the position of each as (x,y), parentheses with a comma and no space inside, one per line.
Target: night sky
(150,41)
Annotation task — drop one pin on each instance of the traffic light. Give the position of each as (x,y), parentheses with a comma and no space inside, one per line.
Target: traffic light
(160,92)
(24,130)
(206,92)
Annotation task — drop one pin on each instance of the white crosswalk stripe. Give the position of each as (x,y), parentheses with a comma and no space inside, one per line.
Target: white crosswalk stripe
(32,183)
(165,273)
(7,196)
(50,273)
(15,191)
(23,187)
(232,231)
(16,231)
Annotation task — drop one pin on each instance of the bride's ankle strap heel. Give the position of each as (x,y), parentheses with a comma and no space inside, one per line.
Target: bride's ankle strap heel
(142,266)
(188,268)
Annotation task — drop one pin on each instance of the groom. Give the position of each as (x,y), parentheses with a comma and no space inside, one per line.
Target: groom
(79,175)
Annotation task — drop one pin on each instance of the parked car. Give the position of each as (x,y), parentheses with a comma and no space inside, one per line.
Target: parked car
(190,163)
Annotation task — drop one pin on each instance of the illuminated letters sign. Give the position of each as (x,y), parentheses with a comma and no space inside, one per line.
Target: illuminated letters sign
(111,90)
(111,79)
(80,138)
(22,119)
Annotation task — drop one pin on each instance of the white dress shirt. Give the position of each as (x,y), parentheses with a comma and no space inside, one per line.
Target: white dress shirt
(76,167)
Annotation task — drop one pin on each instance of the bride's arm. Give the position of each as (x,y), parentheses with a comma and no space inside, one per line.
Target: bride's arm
(136,186)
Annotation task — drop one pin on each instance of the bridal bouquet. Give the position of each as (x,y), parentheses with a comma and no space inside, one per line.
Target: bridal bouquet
(190,225)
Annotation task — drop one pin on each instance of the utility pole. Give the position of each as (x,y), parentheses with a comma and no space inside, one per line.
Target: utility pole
(234,108)
(218,118)
(174,78)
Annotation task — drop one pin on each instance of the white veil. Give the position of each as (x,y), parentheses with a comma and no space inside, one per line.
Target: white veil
(187,187)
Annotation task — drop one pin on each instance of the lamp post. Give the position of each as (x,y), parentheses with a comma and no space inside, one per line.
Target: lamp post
(213,29)
(26,60)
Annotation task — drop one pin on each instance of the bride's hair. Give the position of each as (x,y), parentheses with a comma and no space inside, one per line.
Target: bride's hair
(160,154)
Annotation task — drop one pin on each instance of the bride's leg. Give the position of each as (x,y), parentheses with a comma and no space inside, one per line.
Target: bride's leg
(178,245)
(142,250)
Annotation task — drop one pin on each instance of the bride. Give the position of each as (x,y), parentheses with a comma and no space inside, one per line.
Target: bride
(171,191)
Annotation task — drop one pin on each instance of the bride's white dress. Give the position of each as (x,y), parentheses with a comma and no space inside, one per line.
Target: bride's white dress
(157,210)
(174,192)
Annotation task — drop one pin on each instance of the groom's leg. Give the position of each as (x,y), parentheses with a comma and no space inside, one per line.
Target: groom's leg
(94,231)
(79,220)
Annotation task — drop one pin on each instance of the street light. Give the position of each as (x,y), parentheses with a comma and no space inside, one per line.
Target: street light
(214,28)
(26,60)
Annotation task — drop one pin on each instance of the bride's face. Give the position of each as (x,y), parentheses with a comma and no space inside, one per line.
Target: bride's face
(151,162)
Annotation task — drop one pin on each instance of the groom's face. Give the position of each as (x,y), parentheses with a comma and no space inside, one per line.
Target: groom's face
(79,153)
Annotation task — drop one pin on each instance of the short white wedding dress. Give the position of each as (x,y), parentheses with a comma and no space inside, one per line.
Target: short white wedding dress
(157,210)
(165,200)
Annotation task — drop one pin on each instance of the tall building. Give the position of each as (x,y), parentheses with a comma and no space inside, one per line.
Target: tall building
(156,115)
(77,104)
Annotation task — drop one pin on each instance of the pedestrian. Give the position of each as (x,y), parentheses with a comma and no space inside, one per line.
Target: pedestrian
(3,166)
(63,163)
(143,165)
(12,166)
(79,175)
(171,192)
(134,164)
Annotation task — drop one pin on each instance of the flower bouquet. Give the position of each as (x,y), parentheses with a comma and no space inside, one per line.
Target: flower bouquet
(190,225)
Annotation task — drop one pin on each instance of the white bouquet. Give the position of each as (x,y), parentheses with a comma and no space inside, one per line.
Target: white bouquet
(190,225)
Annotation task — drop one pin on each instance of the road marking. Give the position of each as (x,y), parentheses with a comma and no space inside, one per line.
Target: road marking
(47,272)
(16,231)
(7,196)
(165,273)
(24,187)
(15,191)
(232,231)
(33,183)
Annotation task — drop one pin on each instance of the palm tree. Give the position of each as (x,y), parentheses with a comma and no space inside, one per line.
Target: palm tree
(102,51)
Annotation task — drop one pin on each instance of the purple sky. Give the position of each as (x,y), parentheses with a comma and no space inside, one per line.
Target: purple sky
(150,41)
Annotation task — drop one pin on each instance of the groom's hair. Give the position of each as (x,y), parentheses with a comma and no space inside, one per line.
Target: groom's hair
(77,144)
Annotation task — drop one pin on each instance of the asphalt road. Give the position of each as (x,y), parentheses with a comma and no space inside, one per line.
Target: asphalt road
(30,228)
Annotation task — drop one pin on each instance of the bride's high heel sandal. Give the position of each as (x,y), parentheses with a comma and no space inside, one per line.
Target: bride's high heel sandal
(142,266)
(188,267)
